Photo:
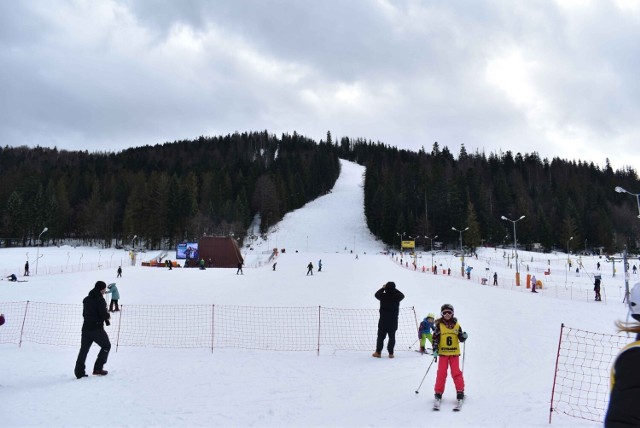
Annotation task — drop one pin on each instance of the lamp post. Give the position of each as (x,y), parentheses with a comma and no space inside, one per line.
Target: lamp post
(401,235)
(515,245)
(637,195)
(431,239)
(568,261)
(133,251)
(626,277)
(461,250)
(38,248)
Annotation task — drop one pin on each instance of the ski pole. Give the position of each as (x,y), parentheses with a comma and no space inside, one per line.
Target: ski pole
(424,377)
(463,354)
(413,343)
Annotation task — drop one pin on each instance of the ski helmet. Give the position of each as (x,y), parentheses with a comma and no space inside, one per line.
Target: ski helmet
(446,307)
(634,301)
(430,315)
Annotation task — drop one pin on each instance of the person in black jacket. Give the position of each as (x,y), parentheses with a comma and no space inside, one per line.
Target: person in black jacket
(623,408)
(95,316)
(390,298)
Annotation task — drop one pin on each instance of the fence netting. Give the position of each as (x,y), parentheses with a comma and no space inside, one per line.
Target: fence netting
(582,379)
(209,326)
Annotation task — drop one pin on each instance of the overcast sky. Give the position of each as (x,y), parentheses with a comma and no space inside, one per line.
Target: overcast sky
(559,78)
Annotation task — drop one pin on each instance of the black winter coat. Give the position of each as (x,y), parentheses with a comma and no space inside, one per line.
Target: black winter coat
(389,308)
(623,404)
(94,311)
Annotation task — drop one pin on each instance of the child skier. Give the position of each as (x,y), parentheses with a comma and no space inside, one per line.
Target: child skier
(115,296)
(424,332)
(447,336)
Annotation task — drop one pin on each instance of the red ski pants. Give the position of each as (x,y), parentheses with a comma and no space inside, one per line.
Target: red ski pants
(444,362)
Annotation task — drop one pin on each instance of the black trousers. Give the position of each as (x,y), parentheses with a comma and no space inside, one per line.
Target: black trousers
(112,304)
(382,334)
(102,340)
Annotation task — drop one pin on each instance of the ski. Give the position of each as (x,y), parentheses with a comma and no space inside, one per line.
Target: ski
(436,404)
(425,352)
(458,406)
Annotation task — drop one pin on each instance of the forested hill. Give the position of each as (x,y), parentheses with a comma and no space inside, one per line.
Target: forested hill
(163,194)
(565,203)
(216,185)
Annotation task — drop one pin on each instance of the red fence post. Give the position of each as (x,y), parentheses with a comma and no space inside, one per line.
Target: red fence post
(555,373)
(319,310)
(24,320)
(119,326)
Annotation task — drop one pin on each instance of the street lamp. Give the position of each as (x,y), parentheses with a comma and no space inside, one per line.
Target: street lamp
(626,278)
(401,235)
(568,261)
(431,239)
(637,195)
(461,250)
(133,251)
(38,250)
(515,246)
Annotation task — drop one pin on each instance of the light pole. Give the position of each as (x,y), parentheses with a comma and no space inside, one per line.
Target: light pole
(626,278)
(637,195)
(431,239)
(515,245)
(568,261)
(38,250)
(133,251)
(461,250)
(401,235)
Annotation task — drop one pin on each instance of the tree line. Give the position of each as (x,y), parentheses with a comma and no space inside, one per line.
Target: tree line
(162,194)
(182,190)
(567,205)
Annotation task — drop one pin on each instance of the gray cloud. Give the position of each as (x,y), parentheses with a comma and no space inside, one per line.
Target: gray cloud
(557,78)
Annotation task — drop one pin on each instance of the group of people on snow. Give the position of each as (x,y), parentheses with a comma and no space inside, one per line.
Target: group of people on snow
(446,337)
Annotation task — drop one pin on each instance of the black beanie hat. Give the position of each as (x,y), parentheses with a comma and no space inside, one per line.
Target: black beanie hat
(100,285)
(390,285)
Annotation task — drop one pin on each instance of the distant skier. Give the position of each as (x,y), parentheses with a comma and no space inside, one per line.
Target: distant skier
(495,278)
(239,270)
(534,282)
(26,268)
(310,269)
(12,277)
(274,266)
(320,265)
(119,272)
(596,288)
(425,332)
(447,337)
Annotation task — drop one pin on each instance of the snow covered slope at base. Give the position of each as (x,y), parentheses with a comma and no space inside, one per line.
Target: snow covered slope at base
(509,356)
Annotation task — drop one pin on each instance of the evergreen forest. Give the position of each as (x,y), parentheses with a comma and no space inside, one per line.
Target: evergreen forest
(180,191)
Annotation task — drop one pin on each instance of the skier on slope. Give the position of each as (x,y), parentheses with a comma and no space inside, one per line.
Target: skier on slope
(447,337)
(424,332)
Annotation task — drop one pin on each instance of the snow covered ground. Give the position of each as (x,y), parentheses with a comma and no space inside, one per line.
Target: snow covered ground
(510,353)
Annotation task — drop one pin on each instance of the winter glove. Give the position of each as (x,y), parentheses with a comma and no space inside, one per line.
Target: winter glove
(464,336)
(435,354)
